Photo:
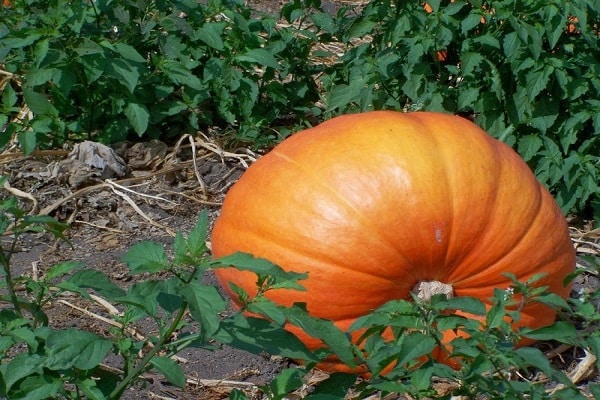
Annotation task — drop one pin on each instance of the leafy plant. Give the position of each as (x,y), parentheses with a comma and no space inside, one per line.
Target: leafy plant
(39,362)
(520,70)
(108,69)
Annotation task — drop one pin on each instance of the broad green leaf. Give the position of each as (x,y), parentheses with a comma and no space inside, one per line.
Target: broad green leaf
(38,387)
(179,74)
(511,44)
(537,80)
(471,21)
(61,269)
(16,42)
(38,103)
(286,382)
(41,51)
(75,348)
(212,34)
(125,73)
(128,52)
(560,330)
(196,241)
(361,28)
(278,277)
(143,296)
(335,387)
(495,315)
(529,145)
(138,117)
(96,280)
(469,305)
(536,358)
(180,248)
(170,369)
(413,346)
(322,329)
(146,257)
(260,56)
(21,366)
(268,309)
(88,47)
(205,304)
(467,97)
(324,21)
(9,98)
(27,140)
(37,77)
(258,335)
(94,66)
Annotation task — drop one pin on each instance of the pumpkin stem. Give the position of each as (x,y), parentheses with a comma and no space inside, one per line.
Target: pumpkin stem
(425,290)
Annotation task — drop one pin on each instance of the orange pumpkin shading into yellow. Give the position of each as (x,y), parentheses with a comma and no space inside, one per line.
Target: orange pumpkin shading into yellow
(371,204)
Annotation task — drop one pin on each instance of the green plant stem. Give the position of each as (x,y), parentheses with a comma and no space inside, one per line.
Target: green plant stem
(10,284)
(118,391)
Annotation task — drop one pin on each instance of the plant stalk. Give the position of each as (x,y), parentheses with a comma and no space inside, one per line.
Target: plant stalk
(135,372)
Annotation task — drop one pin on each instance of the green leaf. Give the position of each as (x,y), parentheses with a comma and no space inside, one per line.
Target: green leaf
(170,369)
(21,366)
(38,103)
(322,329)
(361,27)
(268,309)
(286,382)
(125,73)
(143,295)
(146,257)
(179,74)
(38,387)
(128,52)
(260,56)
(61,269)
(263,268)
(9,98)
(529,145)
(467,97)
(205,304)
(75,348)
(257,335)
(471,21)
(335,387)
(560,330)
(138,117)
(413,346)
(27,140)
(537,80)
(212,34)
(469,305)
(536,358)
(196,241)
(96,280)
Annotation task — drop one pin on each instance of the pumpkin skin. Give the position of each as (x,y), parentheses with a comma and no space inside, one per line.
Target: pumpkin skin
(371,204)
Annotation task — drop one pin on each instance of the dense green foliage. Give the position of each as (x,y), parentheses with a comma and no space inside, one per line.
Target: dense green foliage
(526,72)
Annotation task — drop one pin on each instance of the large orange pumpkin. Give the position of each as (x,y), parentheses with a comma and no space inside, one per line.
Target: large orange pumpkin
(372,204)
